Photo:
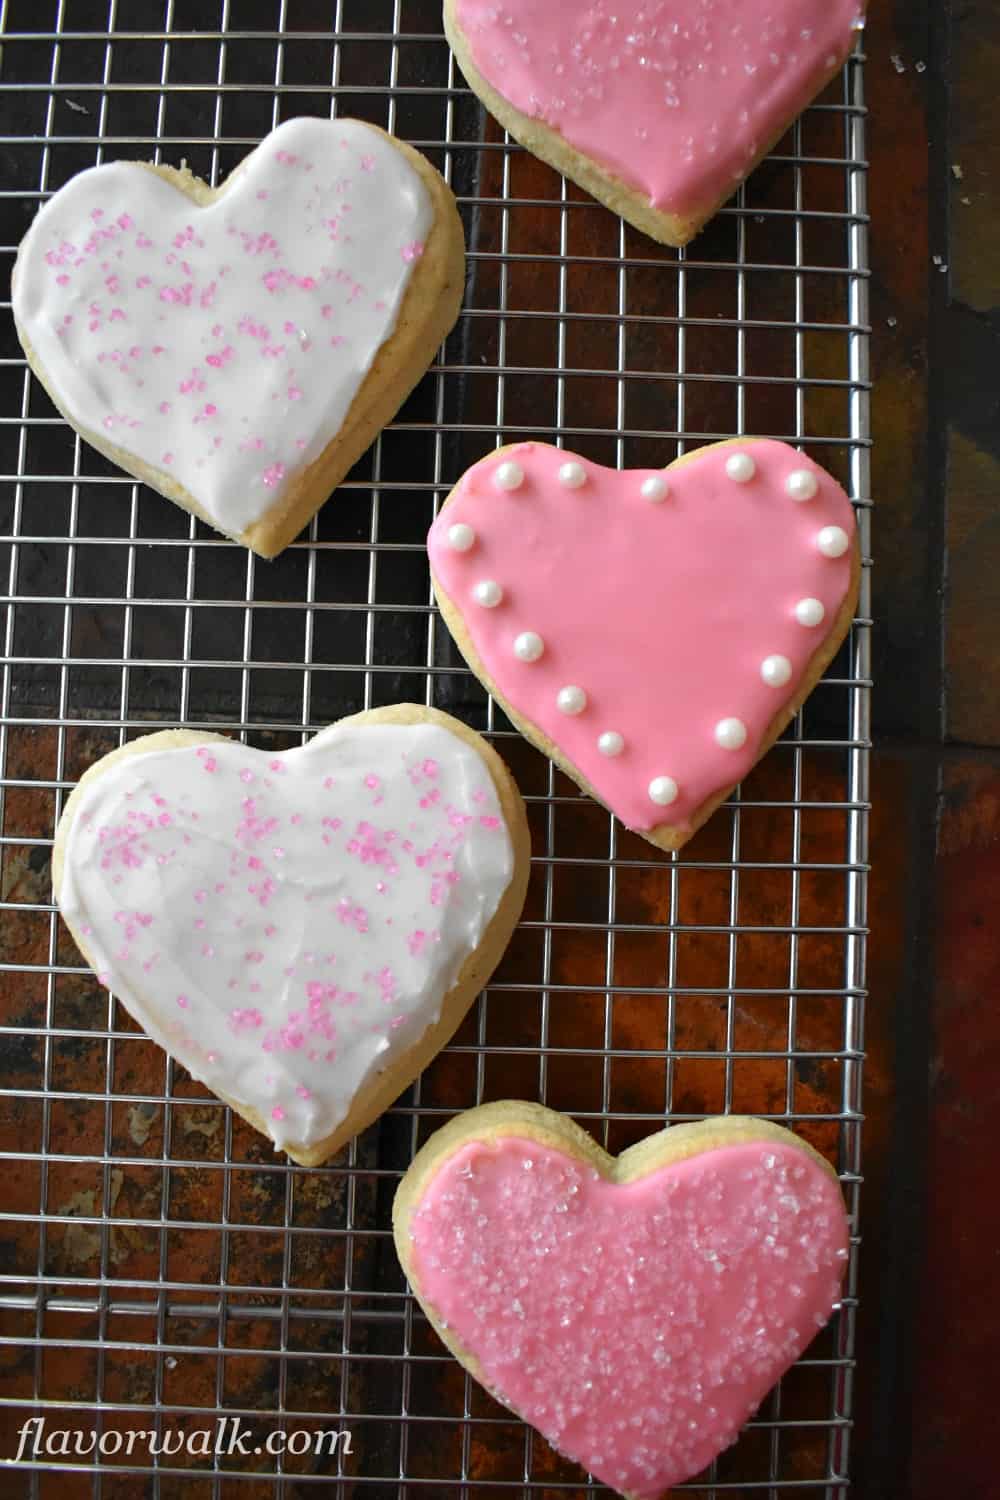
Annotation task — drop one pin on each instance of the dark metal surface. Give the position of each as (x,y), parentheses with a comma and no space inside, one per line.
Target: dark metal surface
(158,1265)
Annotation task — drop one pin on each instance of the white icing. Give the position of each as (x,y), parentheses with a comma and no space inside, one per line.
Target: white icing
(488,593)
(508,475)
(223,892)
(663,790)
(740,467)
(810,612)
(775,670)
(832,541)
(529,646)
(611,742)
(571,700)
(802,484)
(224,345)
(461,537)
(654,489)
(572,475)
(731,734)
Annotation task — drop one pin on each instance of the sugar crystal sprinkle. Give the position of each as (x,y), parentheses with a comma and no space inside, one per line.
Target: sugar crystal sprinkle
(636,1326)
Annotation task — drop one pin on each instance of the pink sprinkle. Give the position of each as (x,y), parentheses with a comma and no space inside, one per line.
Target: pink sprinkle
(168,458)
(277,1113)
(246,776)
(303,1092)
(183,1002)
(273,475)
(245,1020)
(164,408)
(413,251)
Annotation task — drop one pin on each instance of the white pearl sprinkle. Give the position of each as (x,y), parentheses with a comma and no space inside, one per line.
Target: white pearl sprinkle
(731,734)
(508,475)
(572,475)
(801,484)
(663,790)
(461,537)
(775,670)
(571,700)
(487,593)
(741,467)
(832,541)
(654,489)
(610,743)
(528,646)
(810,612)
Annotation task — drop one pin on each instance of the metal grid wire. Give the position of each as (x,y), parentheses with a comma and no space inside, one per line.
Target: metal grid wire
(159,1266)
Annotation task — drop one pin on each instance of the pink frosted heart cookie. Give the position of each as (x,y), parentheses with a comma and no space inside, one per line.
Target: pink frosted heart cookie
(238,349)
(653,631)
(658,109)
(303,931)
(636,1309)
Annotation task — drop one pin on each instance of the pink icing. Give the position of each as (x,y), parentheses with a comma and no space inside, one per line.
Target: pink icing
(662,613)
(677,101)
(637,1326)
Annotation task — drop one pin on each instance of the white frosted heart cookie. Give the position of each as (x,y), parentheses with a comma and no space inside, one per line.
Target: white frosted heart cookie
(238,349)
(657,109)
(652,631)
(304,930)
(635,1310)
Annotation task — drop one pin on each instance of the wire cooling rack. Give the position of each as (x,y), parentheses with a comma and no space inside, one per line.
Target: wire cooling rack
(160,1266)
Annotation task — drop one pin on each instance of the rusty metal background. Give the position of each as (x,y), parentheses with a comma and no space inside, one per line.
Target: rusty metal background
(160,1267)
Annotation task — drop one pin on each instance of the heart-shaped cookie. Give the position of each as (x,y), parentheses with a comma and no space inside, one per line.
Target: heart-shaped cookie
(304,930)
(635,1310)
(238,349)
(657,109)
(653,631)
